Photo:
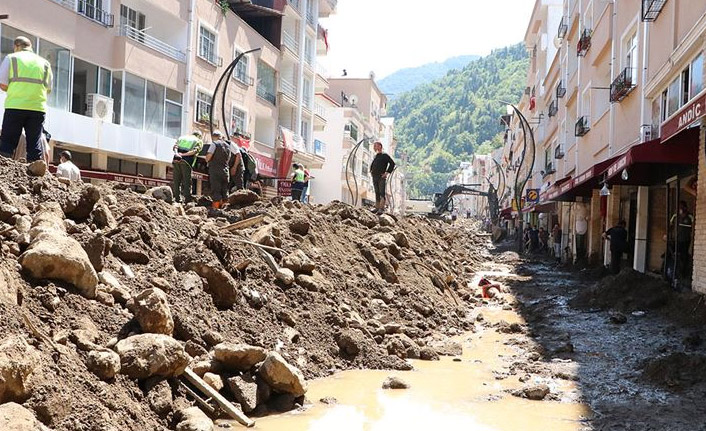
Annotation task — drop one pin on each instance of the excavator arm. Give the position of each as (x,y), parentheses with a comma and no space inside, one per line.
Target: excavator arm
(443,202)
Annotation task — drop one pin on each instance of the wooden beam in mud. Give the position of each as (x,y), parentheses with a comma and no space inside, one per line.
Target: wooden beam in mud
(226,405)
(242,224)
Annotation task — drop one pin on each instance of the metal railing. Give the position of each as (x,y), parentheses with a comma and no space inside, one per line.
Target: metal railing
(152,42)
(583,125)
(584,42)
(560,90)
(307,101)
(558,152)
(95,14)
(309,57)
(290,42)
(266,93)
(651,9)
(310,19)
(622,85)
(296,4)
(288,88)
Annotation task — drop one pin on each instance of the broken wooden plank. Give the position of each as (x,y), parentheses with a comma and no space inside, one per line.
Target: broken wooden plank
(242,224)
(226,405)
(266,247)
(210,410)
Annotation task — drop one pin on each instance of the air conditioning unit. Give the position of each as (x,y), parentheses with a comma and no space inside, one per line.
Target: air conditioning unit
(99,106)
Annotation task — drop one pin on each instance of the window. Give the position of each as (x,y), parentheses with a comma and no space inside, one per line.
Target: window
(266,82)
(673,99)
(242,69)
(172,113)
(203,106)
(207,45)
(663,105)
(131,18)
(238,121)
(134,115)
(305,133)
(697,75)
(631,56)
(104,81)
(154,111)
(547,160)
(117,92)
(60,60)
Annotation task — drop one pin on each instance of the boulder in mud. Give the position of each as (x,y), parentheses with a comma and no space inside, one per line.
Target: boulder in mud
(193,419)
(151,309)
(533,392)
(402,346)
(80,208)
(243,197)
(140,211)
(17,362)
(445,346)
(394,382)
(14,417)
(285,275)
(281,376)
(103,363)
(428,354)
(97,248)
(162,193)
(313,283)
(386,220)
(147,355)
(37,168)
(221,284)
(350,342)
(300,226)
(102,216)
(299,262)
(213,380)
(238,357)
(52,254)
(244,390)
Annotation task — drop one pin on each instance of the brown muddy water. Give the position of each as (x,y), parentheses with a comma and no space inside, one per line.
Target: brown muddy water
(444,395)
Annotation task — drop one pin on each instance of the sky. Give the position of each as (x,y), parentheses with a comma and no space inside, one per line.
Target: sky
(384,36)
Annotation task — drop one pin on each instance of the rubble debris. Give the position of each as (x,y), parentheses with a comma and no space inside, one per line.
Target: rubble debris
(17,362)
(151,309)
(281,376)
(147,355)
(394,382)
(533,392)
(14,417)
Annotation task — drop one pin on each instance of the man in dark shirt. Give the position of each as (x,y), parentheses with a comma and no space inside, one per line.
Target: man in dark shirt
(618,237)
(217,159)
(380,168)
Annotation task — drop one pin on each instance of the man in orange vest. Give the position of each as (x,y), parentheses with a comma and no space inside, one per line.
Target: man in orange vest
(27,79)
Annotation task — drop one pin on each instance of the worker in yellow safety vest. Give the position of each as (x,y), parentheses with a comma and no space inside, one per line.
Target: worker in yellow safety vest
(27,79)
(186,151)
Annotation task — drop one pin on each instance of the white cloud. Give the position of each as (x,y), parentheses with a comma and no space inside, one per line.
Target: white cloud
(386,35)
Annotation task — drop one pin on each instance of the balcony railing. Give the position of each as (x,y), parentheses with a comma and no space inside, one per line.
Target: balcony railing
(583,125)
(553,108)
(152,42)
(584,42)
(560,90)
(310,19)
(266,93)
(558,152)
(321,71)
(563,27)
(651,9)
(622,85)
(93,13)
(290,42)
(296,4)
(288,88)
(307,101)
(319,110)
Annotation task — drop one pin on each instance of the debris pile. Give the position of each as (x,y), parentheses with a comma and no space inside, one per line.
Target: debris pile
(120,310)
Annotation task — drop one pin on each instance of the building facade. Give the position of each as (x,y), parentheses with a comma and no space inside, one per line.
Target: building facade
(614,100)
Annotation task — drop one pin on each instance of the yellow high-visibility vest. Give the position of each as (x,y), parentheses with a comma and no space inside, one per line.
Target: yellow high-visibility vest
(30,76)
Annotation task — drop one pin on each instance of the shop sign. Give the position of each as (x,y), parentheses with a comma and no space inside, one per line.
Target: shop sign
(266,166)
(685,117)
(618,166)
(584,177)
(284,188)
(533,195)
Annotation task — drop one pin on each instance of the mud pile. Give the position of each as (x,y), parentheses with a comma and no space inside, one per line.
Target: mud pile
(627,291)
(676,371)
(108,295)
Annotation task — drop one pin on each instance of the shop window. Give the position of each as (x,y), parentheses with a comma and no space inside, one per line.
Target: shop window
(673,97)
(154,110)
(134,115)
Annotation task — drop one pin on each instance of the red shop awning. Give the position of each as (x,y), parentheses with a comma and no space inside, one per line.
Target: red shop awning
(583,184)
(652,162)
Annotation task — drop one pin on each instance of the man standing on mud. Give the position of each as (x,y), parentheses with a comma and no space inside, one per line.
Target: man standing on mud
(380,168)
(618,237)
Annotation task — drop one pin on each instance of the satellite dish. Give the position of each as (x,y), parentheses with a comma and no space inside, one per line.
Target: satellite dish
(353,99)
(557,42)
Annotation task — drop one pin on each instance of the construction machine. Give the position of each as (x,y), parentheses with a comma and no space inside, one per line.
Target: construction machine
(443,202)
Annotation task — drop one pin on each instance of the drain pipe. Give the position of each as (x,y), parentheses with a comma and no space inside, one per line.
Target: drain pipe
(611,124)
(189,66)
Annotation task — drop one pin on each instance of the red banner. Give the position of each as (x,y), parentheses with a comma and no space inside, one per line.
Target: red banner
(266,166)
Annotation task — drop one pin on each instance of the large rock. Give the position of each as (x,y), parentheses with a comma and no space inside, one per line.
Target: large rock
(97,248)
(314,283)
(37,168)
(394,382)
(162,193)
(147,355)
(8,288)
(533,392)
(14,417)
(53,254)
(120,293)
(300,226)
(103,363)
(238,357)
(281,376)
(243,197)
(102,216)
(80,208)
(221,284)
(151,309)
(285,275)
(193,419)
(129,251)
(17,361)
(402,346)
(350,342)
(299,262)
(244,391)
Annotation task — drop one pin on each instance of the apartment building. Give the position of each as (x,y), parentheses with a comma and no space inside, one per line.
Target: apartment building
(614,101)
(133,75)
(354,110)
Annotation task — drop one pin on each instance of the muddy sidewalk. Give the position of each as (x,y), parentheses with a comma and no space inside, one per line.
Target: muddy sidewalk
(637,369)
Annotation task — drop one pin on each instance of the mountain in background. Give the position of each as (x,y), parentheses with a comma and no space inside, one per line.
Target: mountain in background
(442,123)
(409,78)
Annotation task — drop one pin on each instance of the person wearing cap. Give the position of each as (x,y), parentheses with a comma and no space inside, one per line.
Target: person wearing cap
(186,150)
(217,158)
(27,79)
(66,169)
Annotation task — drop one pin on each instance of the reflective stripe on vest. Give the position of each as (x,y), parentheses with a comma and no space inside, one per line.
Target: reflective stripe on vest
(187,143)
(299,176)
(28,82)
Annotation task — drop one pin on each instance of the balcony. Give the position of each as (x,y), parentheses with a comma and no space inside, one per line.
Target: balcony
(583,126)
(560,90)
(622,85)
(266,93)
(651,9)
(319,111)
(558,152)
(288,89)
(296,4)
(563,27)
(553,108)
(584,42)
(290,42)
(152,42)
(93,13)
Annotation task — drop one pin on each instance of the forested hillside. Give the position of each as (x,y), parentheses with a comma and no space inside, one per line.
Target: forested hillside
(445,122)
(407,79)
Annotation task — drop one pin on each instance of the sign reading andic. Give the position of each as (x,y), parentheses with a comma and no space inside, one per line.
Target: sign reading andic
(685,117)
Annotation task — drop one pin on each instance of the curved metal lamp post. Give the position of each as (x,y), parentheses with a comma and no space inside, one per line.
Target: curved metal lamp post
(227,73)
(354,150)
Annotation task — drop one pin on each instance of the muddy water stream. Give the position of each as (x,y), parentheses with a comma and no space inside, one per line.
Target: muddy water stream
(444,395)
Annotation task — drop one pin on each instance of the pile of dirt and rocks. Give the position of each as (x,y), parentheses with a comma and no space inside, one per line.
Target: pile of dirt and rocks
(627,291)
(676,371)
(109,297)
